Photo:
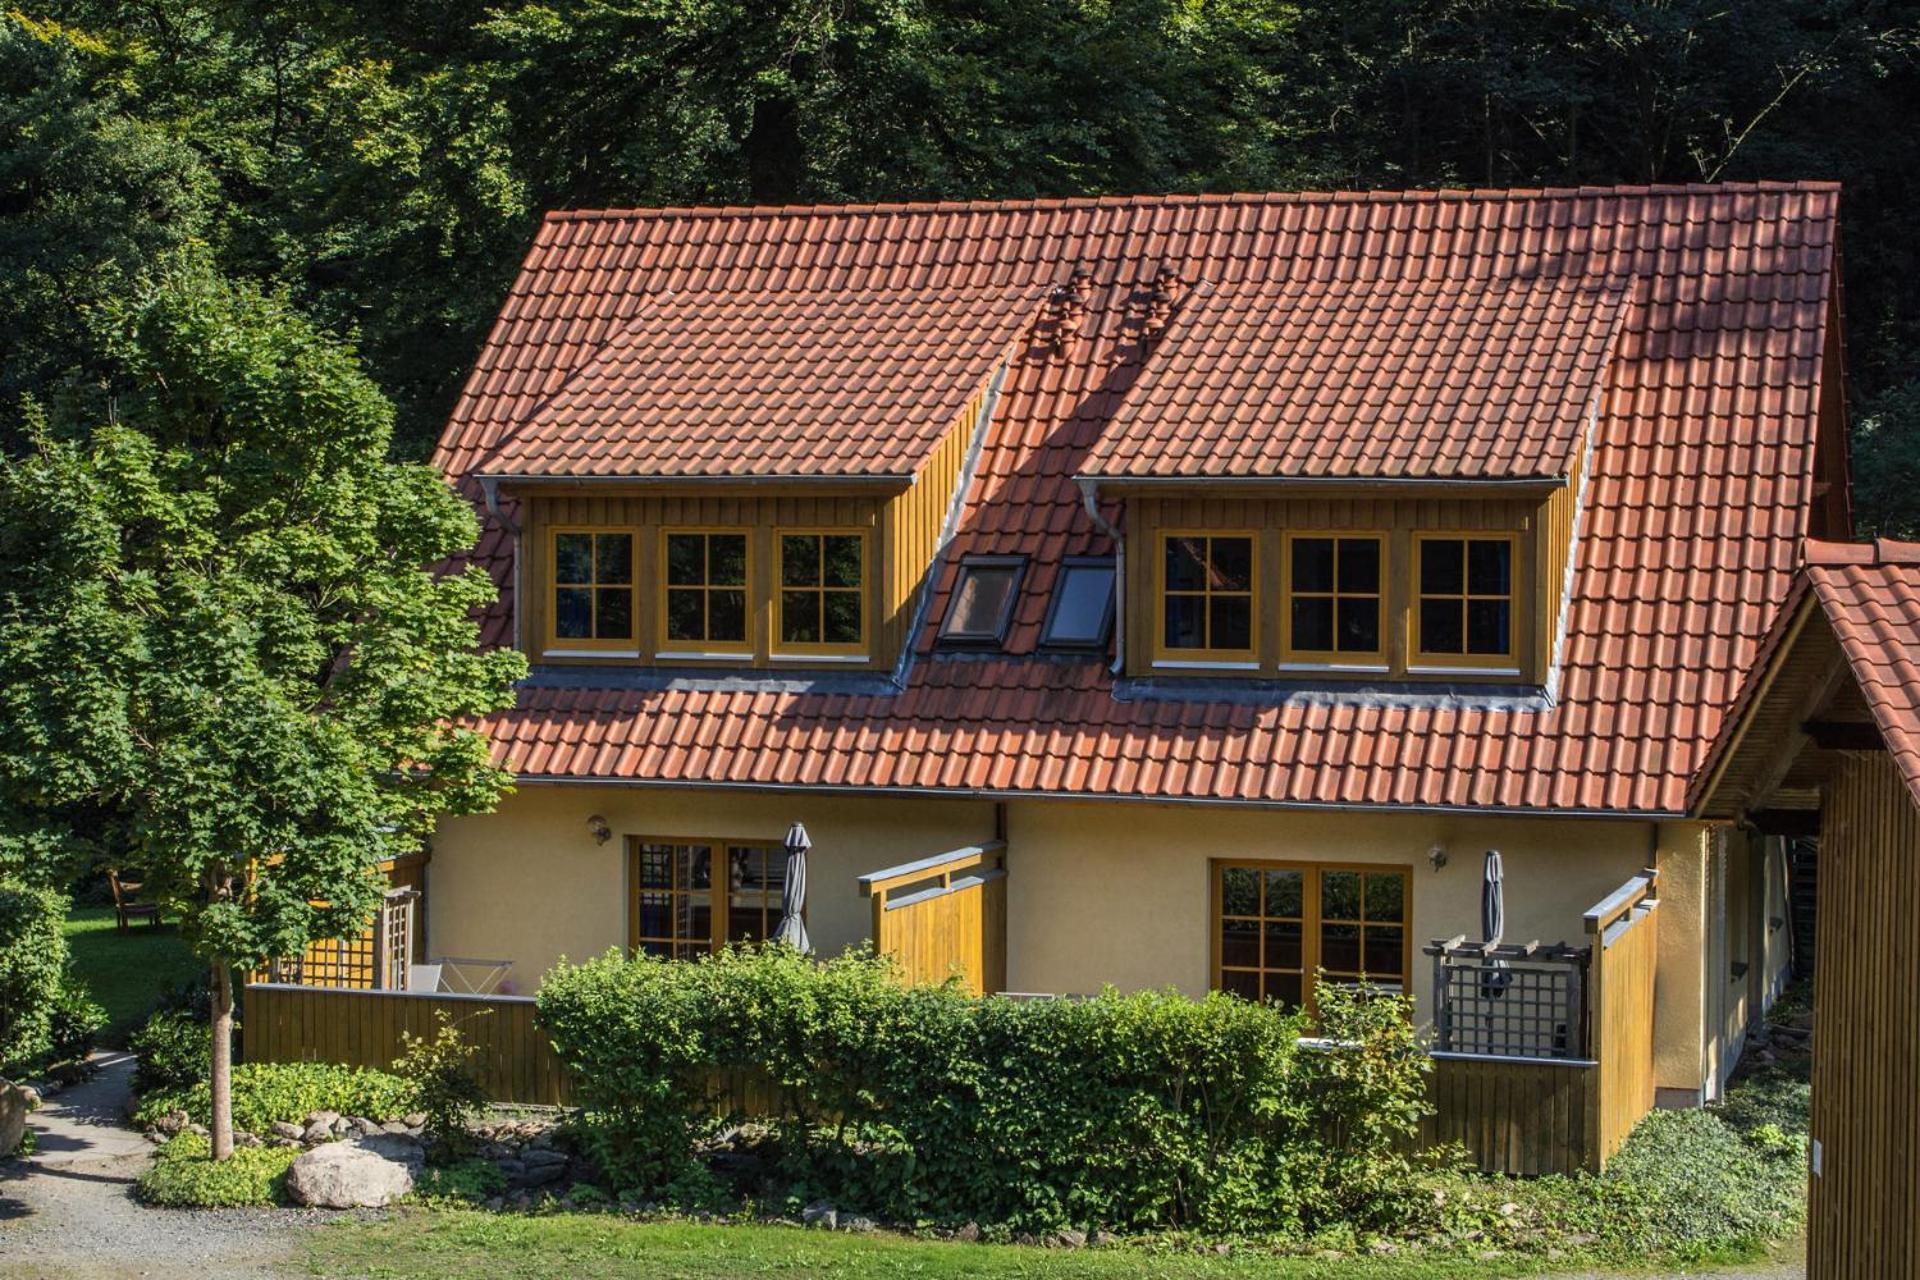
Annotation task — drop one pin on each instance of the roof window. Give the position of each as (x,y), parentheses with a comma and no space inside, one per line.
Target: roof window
(1081,614)
(982,603)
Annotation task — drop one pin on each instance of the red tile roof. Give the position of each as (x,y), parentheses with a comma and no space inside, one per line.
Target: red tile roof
(1449,378)
(1699,491)
(1871,594)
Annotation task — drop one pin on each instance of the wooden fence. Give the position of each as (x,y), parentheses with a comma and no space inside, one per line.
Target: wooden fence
(1626,951)
(359,1028)
(945,915)
(1521,1116)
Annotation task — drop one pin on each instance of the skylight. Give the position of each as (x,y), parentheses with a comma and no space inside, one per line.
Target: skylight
(983,600)
(1082,610)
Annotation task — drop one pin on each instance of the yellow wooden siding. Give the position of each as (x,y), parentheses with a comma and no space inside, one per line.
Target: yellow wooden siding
(911,525)
(1149,516)
(1621,1023)
(1514,1115)
(959,933)
(1863,1223)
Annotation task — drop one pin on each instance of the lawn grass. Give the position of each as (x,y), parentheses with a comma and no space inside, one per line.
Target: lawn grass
(126,972)
(459,1244)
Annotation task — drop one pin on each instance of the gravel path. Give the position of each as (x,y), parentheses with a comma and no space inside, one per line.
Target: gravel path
(69,1210)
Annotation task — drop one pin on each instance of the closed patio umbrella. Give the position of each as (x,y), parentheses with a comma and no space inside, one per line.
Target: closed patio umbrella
(1493,921)
(793,897)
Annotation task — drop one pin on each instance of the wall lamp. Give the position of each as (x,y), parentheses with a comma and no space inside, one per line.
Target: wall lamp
(601,831)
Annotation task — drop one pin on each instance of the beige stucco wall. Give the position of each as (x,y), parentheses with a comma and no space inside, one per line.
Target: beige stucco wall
(528,883)
(1099,893)
(1685,1033)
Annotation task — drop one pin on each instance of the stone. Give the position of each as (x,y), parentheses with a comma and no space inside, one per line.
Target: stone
(1070,1239)
(821,1213)
(395,1127)
(968,1234)
(13,1117)
(242,1138)
(855,1222)
(363,1173)
(281,1129)
(414,1120)
(316,1134)
(324,1119)
(364,1127)
(541,1157)
(540,1175)
(197,1130)
(1103,1239)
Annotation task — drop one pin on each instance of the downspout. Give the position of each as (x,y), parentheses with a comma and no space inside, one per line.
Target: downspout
(1090,499)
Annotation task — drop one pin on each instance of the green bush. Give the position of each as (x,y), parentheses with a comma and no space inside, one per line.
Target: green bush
(267,1091)
(175,1051)
(33,959)
(76,1022)
(923,1104)
(184,1175)
(467,1181)
(441,1072)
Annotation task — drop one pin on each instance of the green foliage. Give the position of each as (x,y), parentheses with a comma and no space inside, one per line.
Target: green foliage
(264,1092)
(466,1181)
(174,1048)
(184,1175)
(922,1104)
(33,959)
(76,1022)
(441,1072)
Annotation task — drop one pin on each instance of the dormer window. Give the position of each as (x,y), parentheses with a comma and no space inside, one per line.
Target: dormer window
(592,606)
(1081,615)
(1335,599)
(983,600)
(822,600)
(1464,593)
(1207,598)
(705,610)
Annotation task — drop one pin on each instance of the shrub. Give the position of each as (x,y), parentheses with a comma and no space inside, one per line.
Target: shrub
(175,1051)
(466,1181)
(184,1175)
(267,1091)
(1124,1111)
(440,1071)
(33,958)
(76,1022)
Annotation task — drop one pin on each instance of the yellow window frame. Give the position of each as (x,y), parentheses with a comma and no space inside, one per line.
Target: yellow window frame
(1371,659)
(1311,920)
(1497,662)
(778,575)
(696,649)
(719,892)
(1239,659)
(553,641)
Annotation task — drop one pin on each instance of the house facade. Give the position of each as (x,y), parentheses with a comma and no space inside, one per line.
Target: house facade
(1218,578)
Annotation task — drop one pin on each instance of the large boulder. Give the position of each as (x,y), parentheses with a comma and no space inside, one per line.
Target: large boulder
(364,1173)
(15,1102)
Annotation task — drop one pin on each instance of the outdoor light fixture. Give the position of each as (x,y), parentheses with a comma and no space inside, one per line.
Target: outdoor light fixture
(601,831)
(1437,856)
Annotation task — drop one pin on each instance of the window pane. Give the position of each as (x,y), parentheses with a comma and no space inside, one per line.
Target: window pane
(1283,945)
(614,620)
(842,556)
(1232,563)
(656,915)
(727,559)
(843,617)
(1385,956)
(1488,629)
(1490,568)
(1360,625)
(1440,560)
(1240,943)
(745,923)
(727,616)
(980,601)
(573,557)
(613,563)
(1284,988)
(799,560)
(1386,898)
(697,870)
(656,868)
(1340,948)
(1440,626)
(799,617)
(1313,623)
(1186,567)
(1232,623)
(1081,601)
(1340,895)
(1239,891)
(573,613)
(1285,894)
(1241,983)
(686,559)
(686,615)
(1313,564)
(1360,565)
(1186,622)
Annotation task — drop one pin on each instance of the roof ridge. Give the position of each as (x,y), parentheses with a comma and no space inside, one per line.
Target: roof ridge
(1880,551)
(1383,195)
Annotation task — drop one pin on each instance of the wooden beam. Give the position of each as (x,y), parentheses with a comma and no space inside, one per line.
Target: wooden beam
(1786,822)
(1844,735)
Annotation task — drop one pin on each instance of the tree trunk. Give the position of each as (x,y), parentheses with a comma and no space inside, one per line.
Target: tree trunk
(222,1126)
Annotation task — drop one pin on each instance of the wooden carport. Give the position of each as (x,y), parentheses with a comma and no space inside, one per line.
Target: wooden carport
(1826,739)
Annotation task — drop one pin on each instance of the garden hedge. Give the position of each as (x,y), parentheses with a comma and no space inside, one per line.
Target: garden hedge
(922,1104)
(33,960)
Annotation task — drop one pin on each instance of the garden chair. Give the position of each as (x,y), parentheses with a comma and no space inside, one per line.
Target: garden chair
(127,905)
